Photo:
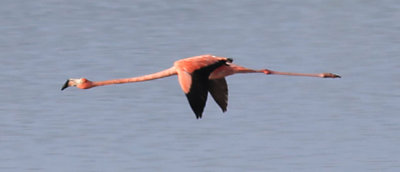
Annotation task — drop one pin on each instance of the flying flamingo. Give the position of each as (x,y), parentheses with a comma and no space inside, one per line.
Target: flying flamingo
(197,76)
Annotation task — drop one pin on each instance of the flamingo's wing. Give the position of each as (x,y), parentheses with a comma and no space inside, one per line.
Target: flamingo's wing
(219,91)
(195,87)
(195,84)
(197,95)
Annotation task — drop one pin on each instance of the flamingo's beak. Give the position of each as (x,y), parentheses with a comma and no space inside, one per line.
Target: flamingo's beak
(65,85)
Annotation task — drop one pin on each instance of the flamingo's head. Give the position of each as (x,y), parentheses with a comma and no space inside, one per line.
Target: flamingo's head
(329,75)
(81,83)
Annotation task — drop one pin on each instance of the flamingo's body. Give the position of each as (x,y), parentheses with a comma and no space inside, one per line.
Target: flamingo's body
(197,76)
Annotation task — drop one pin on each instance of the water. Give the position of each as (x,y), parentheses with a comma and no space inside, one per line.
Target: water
(273,123)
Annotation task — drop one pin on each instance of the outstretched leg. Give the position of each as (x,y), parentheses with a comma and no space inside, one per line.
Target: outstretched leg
(321,75)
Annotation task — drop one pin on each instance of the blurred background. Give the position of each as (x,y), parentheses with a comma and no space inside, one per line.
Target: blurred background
(273,123)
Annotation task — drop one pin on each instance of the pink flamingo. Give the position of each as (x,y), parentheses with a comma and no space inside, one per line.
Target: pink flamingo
(197,76)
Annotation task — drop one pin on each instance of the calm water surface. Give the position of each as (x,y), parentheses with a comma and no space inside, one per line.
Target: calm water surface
(274,123)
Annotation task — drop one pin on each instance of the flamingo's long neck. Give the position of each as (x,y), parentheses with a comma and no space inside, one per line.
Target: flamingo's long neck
(165,73)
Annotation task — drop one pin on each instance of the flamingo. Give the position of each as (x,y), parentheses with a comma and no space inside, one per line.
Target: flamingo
(197,76)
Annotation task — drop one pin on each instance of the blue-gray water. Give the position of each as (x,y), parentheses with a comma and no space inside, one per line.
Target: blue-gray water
(273,123)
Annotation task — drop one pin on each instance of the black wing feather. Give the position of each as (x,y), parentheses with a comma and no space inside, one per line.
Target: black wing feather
(219,91)
(197,95)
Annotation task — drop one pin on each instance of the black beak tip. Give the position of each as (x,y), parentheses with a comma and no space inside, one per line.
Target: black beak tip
(65,85)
